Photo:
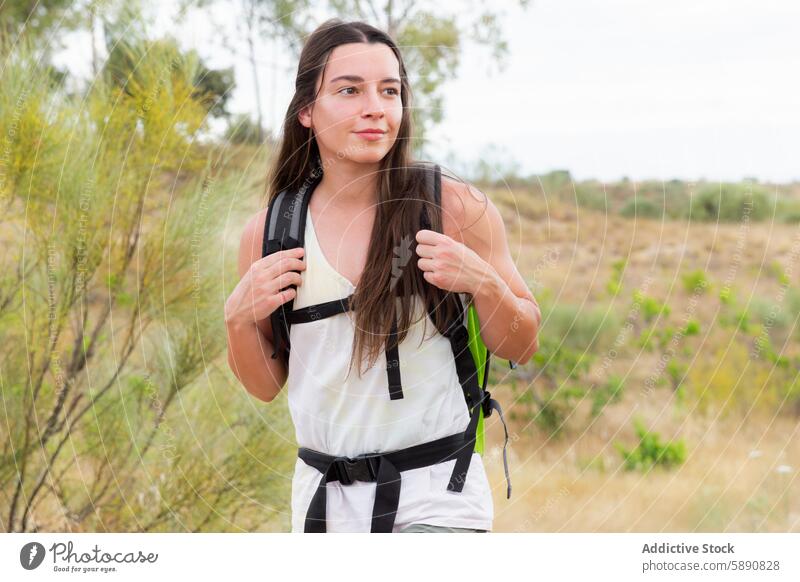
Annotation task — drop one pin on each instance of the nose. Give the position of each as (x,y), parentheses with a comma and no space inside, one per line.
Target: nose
(372,105)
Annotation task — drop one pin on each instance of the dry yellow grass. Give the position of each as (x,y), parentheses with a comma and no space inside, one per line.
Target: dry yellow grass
(742,467)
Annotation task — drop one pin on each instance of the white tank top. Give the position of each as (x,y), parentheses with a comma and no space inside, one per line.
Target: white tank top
(341,414)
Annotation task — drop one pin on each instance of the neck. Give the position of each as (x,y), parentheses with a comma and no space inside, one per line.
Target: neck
(348,184)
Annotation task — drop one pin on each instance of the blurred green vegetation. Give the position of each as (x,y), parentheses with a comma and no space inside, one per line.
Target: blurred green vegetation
(120,411)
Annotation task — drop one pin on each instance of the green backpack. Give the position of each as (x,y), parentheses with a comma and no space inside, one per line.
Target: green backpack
(480,354)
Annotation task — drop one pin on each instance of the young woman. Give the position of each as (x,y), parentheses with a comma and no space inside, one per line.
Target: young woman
(350,123)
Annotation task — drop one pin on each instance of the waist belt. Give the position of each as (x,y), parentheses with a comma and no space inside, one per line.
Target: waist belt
(383,468)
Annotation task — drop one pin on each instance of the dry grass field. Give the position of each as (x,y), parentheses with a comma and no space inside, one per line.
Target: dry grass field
(729,403)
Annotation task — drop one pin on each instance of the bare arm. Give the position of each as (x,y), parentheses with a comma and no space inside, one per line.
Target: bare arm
(249,306)
(508,312)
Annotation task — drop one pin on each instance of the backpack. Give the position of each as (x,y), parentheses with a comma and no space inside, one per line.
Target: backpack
(285,229)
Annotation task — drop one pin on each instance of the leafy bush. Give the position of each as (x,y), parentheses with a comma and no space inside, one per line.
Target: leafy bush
(692,327)
(731,203)
(695,281)
(570,338)
(651,307)
(770,313)
(614,285)
(592,195)
(641,208)
(651,451)
(579,328)
(606,394)
(110,313)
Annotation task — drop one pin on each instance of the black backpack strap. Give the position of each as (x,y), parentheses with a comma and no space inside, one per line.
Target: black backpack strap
(477,399)
(458,335)
(393,364)
(284,229)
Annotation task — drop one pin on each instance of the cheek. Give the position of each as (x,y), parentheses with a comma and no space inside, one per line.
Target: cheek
(395,113)
(331,123)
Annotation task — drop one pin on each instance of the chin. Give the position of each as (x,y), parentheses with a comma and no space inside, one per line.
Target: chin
(369,157)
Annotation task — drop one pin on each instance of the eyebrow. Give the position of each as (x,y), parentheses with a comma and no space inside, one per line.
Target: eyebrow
(357,79)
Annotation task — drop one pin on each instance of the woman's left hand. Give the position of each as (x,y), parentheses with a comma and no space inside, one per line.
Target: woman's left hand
(449,264)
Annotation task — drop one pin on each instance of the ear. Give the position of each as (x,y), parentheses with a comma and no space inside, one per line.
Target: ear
(305,116)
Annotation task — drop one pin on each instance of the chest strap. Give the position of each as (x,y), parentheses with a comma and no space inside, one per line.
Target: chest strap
(337,306)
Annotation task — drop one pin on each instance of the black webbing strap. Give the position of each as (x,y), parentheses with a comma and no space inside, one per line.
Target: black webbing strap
(383,468)
(468,378)
(320,310)
(393,364)
(284,229)
(490,404)
(467,372)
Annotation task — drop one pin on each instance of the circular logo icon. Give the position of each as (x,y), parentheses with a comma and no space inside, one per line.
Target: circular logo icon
(31,555)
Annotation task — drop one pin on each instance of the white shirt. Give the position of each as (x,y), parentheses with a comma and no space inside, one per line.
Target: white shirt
(341,414)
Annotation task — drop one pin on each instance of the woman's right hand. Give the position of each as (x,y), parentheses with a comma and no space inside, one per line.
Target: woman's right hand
(259,292)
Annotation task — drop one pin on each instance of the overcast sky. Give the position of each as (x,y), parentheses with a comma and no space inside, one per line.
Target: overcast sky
(683,89)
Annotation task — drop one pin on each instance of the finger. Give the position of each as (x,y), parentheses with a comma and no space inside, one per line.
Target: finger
(429,237)
(286,295)
(287,264)
(425,264)
(430,277)
(295,253)
(425,251)
(290,278)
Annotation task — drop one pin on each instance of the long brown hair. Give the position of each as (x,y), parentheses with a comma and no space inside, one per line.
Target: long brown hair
(402,193)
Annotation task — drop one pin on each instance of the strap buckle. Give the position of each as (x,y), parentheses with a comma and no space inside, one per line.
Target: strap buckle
(486,404)
(356,469)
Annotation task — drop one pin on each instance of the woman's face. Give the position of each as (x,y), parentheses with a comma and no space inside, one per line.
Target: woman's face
(358,90)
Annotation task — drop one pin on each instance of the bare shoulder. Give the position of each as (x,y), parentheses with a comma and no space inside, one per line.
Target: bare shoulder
(466,212)
(252,240)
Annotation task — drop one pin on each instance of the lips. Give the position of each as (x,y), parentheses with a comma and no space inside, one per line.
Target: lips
(378,131)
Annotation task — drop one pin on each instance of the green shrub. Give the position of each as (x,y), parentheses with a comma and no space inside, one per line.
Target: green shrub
(606,394)
(726,295)
(776,270)
(731,203)
(580,328)
(651,308)
(676,372)
(695,281)
(692,327)
(769,313)
(614,285)
(592,195)
(651,452)
(641,208)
